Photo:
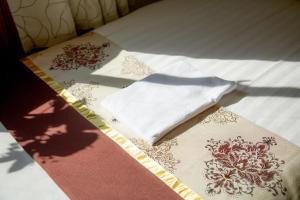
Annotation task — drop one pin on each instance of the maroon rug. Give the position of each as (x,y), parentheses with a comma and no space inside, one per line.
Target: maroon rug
(84,162)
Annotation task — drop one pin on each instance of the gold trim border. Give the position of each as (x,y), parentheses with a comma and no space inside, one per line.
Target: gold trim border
(169,179)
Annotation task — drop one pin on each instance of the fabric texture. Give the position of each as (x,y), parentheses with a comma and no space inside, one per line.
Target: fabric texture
(87,14)
(116,70)
(218,154)
(94,13)
(153,106)
(42,24)
(260,50)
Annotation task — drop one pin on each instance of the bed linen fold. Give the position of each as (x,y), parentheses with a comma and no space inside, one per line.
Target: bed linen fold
(158,103)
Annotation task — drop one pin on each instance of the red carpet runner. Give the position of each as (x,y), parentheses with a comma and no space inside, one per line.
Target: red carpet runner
(84,162)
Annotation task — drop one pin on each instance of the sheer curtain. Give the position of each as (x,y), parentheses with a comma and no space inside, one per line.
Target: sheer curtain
(43,23)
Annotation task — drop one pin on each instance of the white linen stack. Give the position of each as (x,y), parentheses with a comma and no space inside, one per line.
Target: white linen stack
(158,103)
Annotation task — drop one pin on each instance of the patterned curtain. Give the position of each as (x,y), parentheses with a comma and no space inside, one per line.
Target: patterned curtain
(43,23)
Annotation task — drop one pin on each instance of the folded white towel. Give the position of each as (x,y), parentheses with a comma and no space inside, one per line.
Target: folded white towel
(158,103)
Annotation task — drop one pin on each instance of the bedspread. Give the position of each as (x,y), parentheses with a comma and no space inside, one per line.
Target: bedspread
(218,154)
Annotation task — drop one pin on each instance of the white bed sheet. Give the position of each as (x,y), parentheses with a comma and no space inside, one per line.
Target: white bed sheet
(252,41)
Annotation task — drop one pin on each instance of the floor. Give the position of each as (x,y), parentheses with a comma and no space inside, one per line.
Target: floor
(84,162)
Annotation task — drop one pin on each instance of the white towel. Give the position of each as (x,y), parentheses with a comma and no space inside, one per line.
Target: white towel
(158,103)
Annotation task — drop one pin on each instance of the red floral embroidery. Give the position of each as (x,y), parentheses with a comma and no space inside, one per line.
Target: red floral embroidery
(82,55)
(239,166)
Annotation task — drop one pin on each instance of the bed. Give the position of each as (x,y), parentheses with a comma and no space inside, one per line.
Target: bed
(260,50)
(252,42)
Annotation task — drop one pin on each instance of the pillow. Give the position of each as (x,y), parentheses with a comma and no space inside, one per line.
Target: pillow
(112,9)
(42,23)
(87,14)
(94,13)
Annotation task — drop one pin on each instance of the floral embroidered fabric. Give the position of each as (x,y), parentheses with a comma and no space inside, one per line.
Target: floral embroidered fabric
(238,166)
(217,115)
(242,167)
(160,153)
(82,91)
(131,65)
(82,55)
